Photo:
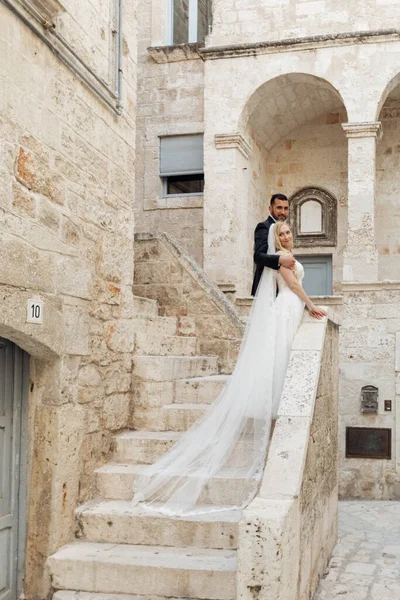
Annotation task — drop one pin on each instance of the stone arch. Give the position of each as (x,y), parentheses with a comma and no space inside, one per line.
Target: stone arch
(392,84)
(287,102)
(45,341)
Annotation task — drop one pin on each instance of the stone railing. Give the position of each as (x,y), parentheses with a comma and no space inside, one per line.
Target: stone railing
(288,532)
(165,272)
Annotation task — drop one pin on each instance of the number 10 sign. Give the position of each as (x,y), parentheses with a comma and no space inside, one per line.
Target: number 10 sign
(34,311)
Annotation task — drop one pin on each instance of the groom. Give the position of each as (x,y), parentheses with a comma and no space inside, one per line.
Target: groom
(279,211)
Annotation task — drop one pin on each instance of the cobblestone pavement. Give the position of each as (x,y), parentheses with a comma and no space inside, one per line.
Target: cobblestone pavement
(365,563)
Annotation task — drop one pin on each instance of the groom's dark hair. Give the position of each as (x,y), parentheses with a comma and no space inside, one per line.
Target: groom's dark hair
(277,197)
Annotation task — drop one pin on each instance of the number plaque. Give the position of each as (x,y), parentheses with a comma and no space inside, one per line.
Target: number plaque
(34,311)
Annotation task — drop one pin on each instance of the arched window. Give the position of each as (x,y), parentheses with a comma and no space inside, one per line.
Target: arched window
(313,217)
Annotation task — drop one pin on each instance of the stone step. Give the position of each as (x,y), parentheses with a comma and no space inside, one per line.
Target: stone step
(115,482)
(72,595)
(172,417)
(145,447)
(153,325)
(199,390)
(117,521)
(145,306)
(149,570)
(164,345)
(169,368)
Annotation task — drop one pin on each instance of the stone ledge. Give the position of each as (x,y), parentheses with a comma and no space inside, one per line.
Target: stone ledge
(177,53)
(301,43)
(370,286)
(174,202)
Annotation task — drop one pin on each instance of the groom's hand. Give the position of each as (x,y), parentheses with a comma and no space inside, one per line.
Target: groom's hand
(287,261)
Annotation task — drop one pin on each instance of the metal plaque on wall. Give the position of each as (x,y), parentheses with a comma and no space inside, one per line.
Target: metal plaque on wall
(368,442)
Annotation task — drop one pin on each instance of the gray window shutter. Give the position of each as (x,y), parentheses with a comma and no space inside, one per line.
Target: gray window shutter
(181,155)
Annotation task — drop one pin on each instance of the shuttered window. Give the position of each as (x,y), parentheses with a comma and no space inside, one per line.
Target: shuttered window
(181,155)
(189,21)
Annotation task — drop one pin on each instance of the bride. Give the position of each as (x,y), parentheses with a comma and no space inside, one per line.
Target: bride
(229,442)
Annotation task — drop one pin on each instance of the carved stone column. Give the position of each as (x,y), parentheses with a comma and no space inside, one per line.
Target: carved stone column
(360,258)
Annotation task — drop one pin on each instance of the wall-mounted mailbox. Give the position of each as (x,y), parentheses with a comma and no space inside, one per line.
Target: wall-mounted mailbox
(369,399)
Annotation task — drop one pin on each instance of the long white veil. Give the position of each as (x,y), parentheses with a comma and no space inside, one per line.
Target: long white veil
(230,440)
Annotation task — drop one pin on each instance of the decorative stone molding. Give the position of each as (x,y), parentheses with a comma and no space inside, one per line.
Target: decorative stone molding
(232,140)
(328,234)
(302,43)
(362,130)
(370,286)
(178,53)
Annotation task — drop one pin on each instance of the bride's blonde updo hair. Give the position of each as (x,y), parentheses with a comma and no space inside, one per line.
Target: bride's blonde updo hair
(277,241)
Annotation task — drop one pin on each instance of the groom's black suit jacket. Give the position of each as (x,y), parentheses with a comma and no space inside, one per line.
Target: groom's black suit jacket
(261,258)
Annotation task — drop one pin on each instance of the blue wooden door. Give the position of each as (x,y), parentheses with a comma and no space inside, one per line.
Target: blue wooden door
(13,390)
(317,274)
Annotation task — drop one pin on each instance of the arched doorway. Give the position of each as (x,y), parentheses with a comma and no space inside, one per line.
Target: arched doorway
(289,137)
(14,382)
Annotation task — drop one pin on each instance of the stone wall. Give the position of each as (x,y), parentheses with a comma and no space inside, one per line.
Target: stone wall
(279,19)
(67,186)
(289,530)
(164,272)
(371,320)
(170,102)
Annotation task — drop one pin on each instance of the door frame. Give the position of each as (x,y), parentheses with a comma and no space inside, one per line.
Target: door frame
(20,396)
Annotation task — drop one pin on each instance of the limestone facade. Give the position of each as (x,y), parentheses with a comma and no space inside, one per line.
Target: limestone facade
(67,186)
(290,95)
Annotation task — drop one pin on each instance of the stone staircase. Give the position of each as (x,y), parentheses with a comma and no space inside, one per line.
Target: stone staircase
(123,552)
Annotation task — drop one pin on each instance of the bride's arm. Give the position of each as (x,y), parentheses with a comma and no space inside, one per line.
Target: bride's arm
(298,289)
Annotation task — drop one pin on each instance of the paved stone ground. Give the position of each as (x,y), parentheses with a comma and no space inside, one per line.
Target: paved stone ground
(365,564)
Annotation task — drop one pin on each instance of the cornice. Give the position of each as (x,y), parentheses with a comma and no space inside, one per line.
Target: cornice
(232,140)
(370,286)
(177,53)
(301,43)
(362,130)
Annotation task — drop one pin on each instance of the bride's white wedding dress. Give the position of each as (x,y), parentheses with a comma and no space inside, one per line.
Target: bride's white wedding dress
(231,438)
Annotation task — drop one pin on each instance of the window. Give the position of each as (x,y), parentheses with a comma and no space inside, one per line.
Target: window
(313,217)
(317,274)
(189,21)
(181,165)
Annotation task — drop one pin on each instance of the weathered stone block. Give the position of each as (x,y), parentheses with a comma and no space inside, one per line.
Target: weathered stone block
(119,336)
(23,202)
(115,413)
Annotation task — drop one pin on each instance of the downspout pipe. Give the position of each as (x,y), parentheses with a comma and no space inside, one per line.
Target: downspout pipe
(118,51)
(49,26)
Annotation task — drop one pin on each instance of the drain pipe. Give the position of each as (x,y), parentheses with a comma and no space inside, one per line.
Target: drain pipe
(49,26)
(118,51)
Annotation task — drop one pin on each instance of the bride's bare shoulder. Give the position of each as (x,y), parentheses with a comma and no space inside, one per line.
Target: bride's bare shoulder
(284,253)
